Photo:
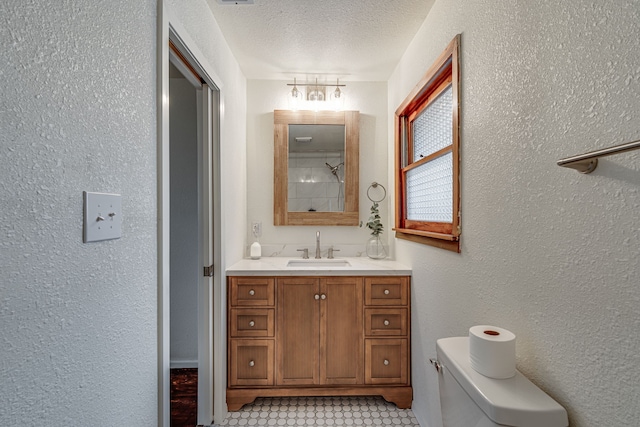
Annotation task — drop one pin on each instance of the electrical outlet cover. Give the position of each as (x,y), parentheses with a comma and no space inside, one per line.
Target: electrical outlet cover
(256,229)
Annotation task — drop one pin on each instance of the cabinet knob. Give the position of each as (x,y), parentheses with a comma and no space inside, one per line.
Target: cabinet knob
(316,296)
(252,323)
(386,322)
(252,292)
(386,292)
(323,296)
(386,362)
(252,363)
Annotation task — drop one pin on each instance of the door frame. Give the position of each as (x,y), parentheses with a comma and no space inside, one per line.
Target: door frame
(211,385)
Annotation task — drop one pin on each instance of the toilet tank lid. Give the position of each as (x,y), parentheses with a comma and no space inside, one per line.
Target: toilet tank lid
(513,401)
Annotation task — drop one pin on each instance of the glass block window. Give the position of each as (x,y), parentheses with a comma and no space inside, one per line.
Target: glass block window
(429,189)
(432,128)
(427,156)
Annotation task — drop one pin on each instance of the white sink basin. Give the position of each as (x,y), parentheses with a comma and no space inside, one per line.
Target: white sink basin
(318,263)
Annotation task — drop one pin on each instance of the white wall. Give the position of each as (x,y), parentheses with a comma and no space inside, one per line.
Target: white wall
(194,22)
(194,17)
(264,96)
(183,164)
(547,253)
(78,342)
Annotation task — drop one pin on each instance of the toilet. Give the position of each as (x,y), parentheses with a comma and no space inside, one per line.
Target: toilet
(469,399)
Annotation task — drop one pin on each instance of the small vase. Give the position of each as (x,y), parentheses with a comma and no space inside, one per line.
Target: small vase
(375,248)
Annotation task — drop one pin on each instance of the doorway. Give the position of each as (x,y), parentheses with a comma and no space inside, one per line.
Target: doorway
(185,90)
(189,273)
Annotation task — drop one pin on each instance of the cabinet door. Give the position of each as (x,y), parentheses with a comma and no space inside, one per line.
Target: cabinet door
(387,361)
(297,330)
(251,363)
(341,330)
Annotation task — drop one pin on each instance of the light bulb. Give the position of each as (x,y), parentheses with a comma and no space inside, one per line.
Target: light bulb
(295,97)
(336,99)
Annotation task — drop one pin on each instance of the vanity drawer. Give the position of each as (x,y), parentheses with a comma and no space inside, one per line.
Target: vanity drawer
(386,291)
(252,291)
(386,361)
(252,322)
(251,362)
(385,321)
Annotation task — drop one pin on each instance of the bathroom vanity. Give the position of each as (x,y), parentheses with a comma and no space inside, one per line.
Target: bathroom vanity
(318,329)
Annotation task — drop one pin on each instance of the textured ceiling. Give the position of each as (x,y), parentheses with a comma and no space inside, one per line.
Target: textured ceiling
(328,39)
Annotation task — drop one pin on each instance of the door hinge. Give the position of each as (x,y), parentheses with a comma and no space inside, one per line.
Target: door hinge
(208,271)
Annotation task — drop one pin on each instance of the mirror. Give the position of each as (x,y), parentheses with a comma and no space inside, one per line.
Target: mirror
(316,167)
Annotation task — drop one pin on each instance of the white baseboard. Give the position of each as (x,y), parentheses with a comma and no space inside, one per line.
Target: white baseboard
(182,364)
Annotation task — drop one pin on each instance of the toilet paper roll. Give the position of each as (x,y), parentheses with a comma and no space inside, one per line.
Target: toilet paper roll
(492,351)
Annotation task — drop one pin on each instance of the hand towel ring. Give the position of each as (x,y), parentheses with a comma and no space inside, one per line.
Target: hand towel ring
(375,185)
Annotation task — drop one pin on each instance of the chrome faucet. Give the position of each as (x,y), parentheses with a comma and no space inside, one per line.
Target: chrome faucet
(318,245)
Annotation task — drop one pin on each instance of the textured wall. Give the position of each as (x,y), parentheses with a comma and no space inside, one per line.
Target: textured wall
(547,253)
(78,342)
(78,112)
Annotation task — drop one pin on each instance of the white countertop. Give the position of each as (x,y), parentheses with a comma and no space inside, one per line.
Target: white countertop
(277,266)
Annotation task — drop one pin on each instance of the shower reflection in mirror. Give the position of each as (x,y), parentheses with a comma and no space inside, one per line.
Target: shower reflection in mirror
(316,168)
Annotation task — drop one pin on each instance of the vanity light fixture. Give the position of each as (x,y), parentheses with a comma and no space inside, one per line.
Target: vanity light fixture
(295,96)
(337,93)
(316,95)
(337,97)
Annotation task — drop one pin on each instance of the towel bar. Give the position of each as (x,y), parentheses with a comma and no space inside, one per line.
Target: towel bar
(587,162)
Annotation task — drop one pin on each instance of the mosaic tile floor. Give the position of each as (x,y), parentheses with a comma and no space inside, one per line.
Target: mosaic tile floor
(321,411)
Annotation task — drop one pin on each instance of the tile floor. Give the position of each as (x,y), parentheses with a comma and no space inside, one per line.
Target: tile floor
(321,411)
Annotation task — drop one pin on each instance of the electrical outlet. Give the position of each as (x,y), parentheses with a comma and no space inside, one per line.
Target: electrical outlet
(256,229)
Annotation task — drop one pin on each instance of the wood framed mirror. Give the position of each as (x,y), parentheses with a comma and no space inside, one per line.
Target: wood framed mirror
(316,167)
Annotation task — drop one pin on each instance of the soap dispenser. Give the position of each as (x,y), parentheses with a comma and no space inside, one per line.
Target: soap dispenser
(256,250)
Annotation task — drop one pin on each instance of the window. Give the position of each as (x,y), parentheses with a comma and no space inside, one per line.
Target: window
(427,157)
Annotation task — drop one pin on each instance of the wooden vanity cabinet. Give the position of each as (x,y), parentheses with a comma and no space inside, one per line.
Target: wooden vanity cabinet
(320,339)
(298,346)
(251,331)
(387,330)
(318,336)
(341,330)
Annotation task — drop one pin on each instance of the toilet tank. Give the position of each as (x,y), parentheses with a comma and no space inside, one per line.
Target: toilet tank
(469,399)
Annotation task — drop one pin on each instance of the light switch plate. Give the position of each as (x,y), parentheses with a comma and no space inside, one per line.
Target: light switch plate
(102,216)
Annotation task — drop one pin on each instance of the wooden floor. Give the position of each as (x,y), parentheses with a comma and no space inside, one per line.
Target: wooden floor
(184,397)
